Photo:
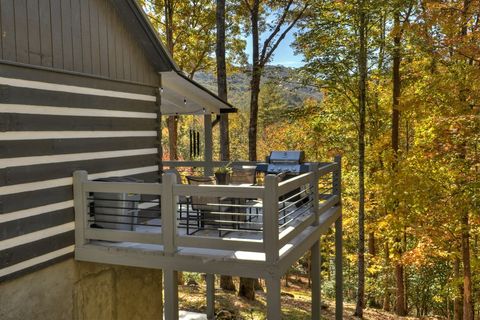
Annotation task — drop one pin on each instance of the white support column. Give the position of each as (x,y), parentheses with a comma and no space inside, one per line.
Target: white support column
(337,189)
(274,303)
(170,288)
(208,143)
(210,280)
(316,281)
(80,204)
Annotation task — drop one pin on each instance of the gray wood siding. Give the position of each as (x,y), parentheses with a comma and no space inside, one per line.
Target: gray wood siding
(85,36)
(39,109)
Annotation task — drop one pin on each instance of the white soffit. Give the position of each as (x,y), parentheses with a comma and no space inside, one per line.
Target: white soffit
(181,95)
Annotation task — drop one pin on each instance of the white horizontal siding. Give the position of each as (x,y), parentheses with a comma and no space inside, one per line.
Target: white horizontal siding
(74,89)
(75,112)
(35,261)
(35,236)
(36,160)
(53,183)
(72,112)
(42,135)
(30,212)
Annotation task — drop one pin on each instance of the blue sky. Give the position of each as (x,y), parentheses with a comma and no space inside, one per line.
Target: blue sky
(284,55)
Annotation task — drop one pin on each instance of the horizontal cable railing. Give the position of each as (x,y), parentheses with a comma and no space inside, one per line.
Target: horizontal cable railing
(249,218)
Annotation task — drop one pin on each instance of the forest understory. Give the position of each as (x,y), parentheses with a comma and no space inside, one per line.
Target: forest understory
(295,303)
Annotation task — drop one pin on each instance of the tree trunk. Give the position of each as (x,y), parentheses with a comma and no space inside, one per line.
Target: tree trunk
(405,271)
(172,136)
(468,307)
(399,271)
(457,302)
(168,6)
(254,84)
(247,288)
(180,279)
(257,285)
(468,310)
(172,120)
(371,244)
(226,283)
(222,79)
(386,297)
(362,101)
(400,292)
(252,131)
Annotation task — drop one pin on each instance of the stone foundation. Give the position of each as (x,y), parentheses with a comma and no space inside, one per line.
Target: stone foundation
(83,291)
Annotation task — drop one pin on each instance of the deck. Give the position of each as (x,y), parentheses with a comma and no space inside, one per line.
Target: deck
(240,230)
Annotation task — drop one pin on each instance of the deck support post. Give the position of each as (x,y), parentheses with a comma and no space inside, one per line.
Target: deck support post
(208,144)
(316,281)
(170,287)
(338,270)
(274,309)
(337,189)
(169,234)
(210,280)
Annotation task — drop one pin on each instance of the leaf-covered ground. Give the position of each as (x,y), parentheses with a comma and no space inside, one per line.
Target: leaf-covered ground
(295,304)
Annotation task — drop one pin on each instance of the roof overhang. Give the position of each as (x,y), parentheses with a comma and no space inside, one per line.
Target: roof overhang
(137,23)
(181,95)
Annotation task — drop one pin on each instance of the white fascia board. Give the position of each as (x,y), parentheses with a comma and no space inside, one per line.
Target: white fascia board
(174,84)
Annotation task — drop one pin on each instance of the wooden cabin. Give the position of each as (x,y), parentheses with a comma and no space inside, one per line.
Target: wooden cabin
(83,88)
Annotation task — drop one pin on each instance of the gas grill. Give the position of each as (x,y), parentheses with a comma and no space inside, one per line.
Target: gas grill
(287,163)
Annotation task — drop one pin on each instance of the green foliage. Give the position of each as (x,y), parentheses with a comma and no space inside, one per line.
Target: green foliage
(422,192)
(414,199)
(193,28)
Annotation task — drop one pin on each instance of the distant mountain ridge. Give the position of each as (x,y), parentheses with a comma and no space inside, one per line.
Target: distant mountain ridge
(288,79)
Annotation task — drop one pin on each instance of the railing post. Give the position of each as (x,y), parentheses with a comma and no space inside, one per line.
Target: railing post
(337,178)
(270,219)
(313,167)
(169,214)
(80,205)
(169,234)
(337,190)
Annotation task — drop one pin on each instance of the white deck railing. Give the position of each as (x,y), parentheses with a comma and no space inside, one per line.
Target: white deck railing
(278,222)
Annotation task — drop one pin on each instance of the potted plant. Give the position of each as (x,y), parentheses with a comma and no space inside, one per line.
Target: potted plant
(222,174)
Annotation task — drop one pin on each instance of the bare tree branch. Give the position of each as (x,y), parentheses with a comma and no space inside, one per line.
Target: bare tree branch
(276,30)
(269,53)
(156,19)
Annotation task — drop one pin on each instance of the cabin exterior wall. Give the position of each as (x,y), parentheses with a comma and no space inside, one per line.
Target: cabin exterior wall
(85,36)
(77,91)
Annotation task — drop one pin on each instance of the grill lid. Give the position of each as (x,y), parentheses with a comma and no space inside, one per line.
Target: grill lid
(287,157)
(289,162)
